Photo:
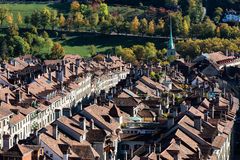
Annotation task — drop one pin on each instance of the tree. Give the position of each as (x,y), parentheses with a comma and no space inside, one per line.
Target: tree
(27,20)
(225,30)
(54,19)
(143,26)
(151,27)
(57,51)
(139,52)
(75,6)
(94,19)
(134,28)
(160,26)
(93,50)
(151,50)
(45,17)
(21,47)
(217,14)
(104,10)
(78,19)
(3,14)
(9,19)
(171,3)
(186,27)
(62,20)
(36,18)
(19,18)
(196,10)
(12,30)
(3,49)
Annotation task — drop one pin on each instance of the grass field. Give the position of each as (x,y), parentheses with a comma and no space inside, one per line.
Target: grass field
(28,8)
(81,44)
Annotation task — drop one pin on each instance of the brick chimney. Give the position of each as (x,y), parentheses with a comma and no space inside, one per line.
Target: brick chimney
(198,123)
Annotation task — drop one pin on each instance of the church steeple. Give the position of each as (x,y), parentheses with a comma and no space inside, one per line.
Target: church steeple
(171,47)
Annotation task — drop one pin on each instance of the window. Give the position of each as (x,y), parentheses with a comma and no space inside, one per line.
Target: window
(51,155)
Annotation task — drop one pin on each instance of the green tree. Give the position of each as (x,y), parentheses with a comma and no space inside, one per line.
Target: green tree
(196,11)
(21,47)
(93,50)
(104,10)
(4,12)
(3,49)
(57,51)
(94,20)
(217,14)
(139,51)
(36,18)
(143,26)
(45,17)
(27,20)
(171,3)
(151,50)
(54,22)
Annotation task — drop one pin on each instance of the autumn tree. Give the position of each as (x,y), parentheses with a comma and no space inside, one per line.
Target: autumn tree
(151,27)
(62,21)
(57,51)
(186,26)
(9,19)
(160,26)
(78,19)
(75,6)
(135,24)
(19,18)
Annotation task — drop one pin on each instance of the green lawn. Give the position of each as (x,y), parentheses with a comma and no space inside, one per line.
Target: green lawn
(81,44)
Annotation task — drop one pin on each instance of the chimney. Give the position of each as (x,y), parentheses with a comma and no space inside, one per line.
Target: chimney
(198,123)
(149,148)
(7,98)
(49,75)
(6,142)
(178,141)
(159,149)
(92,124)
(82,122)
(78,62)
(18,95)
(206,116)
(55,131)
(65,151)
(176,155)
(63,68)
(170,122)
(76,70)
(27,89)
(213,111)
